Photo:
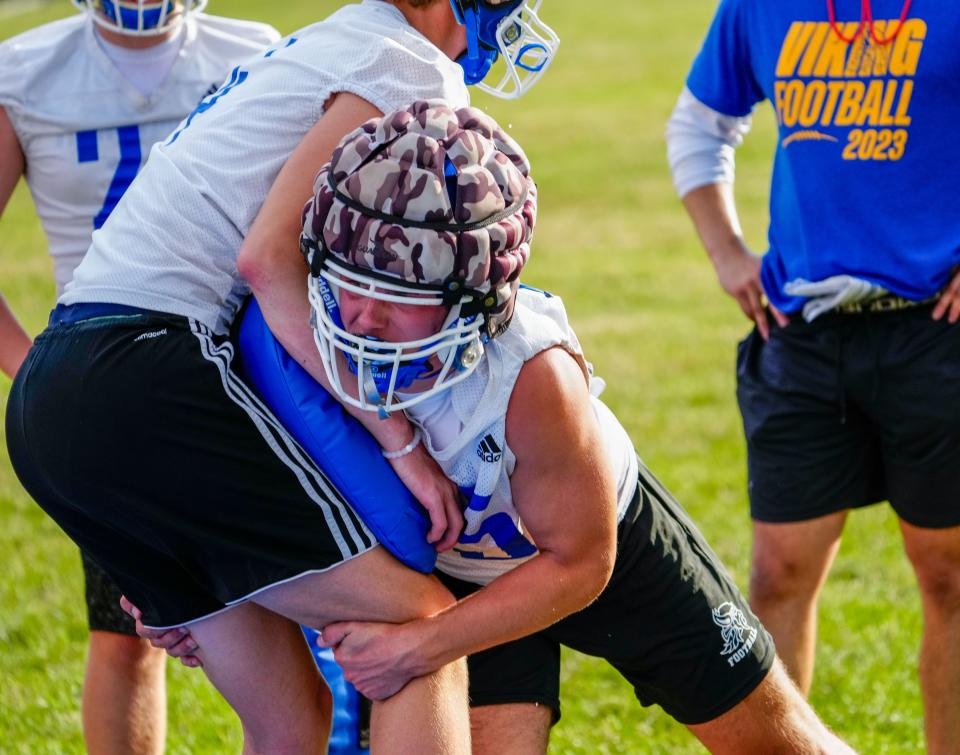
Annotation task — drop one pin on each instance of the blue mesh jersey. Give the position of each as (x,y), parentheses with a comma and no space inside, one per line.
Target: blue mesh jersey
(863,173)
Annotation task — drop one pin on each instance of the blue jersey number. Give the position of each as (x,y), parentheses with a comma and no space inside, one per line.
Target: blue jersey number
(237,77)
(500,527)
(130,156)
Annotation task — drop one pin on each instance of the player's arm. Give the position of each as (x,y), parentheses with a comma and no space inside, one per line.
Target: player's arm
(270,261)
(700,150)
(14,340)
(269,258)
(565,492)
(564,489)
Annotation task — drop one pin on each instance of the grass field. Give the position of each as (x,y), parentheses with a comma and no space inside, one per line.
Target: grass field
(613,240)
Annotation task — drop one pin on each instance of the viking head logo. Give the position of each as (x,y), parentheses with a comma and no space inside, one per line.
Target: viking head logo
(733,625)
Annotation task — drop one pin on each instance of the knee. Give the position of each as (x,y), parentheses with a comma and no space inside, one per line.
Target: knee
(304,731)
(776,577)
(127,653)
(938,577)
(284,743)
(433,598)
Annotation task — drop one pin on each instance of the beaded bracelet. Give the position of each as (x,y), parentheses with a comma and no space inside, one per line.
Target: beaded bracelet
(417,437)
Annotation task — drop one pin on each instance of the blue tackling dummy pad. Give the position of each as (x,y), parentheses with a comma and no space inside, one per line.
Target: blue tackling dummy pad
(347,454)
(351,459)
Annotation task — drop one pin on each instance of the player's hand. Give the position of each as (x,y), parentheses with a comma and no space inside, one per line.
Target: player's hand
(436,493)
(378,659)
(739,274)
(178,642)
(949,302)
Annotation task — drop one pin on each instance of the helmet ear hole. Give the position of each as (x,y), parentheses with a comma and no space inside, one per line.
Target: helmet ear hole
(450,178)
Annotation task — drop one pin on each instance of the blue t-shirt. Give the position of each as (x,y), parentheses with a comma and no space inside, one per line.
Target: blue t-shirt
(864,173)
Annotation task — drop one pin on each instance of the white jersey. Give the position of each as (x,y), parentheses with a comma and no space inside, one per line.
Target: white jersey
(172,243)
(85,129)
(464,430)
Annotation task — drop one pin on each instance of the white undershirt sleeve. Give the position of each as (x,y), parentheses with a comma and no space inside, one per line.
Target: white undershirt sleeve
(701,144)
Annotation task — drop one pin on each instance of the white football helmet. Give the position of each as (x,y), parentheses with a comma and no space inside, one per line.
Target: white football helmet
(139,18)
(508,30)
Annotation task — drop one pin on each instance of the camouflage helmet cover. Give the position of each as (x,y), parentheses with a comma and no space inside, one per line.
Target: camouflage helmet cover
(383,204)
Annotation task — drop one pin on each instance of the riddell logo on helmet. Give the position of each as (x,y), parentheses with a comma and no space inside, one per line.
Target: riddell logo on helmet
(328,300)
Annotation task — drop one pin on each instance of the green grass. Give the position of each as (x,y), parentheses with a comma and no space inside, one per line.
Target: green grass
(614,241)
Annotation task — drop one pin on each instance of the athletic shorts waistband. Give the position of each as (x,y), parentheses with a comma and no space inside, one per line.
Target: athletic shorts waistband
(885,303)
(67,314)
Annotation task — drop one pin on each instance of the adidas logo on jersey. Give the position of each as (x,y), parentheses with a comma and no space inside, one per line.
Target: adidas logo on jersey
(488,450)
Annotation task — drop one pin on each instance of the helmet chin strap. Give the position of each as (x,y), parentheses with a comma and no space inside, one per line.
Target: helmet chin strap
(379,372)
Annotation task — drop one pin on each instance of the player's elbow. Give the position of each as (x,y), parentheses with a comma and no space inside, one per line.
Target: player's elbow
(603,570)
(594,571)
(259,261)
(593,556)
(606,555)
(251,266)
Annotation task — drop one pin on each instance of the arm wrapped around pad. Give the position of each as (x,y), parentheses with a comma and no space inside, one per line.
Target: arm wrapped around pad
(336,442)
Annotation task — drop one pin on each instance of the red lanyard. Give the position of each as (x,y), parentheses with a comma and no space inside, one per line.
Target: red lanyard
(866,20)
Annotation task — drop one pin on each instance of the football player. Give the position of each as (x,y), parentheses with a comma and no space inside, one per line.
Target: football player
(167,264)
(417,237)
(81,102)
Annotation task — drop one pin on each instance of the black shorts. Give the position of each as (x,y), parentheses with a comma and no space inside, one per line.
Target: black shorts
(103,601)
(850,410)
(135,435)
(671,621)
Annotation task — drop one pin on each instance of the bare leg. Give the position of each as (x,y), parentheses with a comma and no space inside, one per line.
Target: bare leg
(430,714)
(790,564)
(515,729)
(772,719)
(124,696)
(935,555)
(260,663)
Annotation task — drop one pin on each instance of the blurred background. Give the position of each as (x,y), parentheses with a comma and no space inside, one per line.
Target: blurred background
(614,242)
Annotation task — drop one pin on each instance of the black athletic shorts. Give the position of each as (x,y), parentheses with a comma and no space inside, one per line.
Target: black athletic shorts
(133,432)
(103,601)
(671,621)
(853,409)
